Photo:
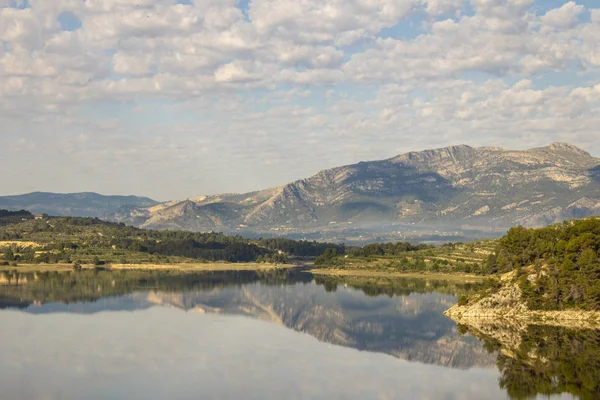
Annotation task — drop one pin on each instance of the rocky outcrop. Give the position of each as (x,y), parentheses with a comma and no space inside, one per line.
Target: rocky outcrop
(485,316)
(506,307)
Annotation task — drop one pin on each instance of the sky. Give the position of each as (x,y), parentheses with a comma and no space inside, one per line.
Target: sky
(180,98)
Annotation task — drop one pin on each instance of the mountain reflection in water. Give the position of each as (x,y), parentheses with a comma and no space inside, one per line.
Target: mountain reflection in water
(401,318)
(406,322)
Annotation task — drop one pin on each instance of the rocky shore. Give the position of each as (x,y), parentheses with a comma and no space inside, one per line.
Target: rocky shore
(505,306)
(472,315)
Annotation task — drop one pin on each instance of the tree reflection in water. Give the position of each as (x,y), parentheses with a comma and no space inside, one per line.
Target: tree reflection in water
(90,285)
(544,360)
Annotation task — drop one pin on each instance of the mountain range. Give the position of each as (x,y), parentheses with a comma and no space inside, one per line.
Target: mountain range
(457,188)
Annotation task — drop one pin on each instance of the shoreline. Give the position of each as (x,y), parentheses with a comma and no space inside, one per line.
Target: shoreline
(184,267)
(222,266)
(367,273)
(506,304)
(466,315)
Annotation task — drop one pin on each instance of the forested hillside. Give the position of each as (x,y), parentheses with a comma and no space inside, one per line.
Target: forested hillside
(90,240)
(558,267)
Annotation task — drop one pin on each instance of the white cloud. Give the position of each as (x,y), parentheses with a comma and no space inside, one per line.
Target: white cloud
(442,7)
(233,72)
(286,77)
(308,56)
(20,28)
(565,17)
(125,64)
(319,21)
(501,8)
(500,39)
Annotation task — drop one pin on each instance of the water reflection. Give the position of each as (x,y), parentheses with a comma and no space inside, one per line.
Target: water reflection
(401,318)
(163,352)
(406,323)
(545,360)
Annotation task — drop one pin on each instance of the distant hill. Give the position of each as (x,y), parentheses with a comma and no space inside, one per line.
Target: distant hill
(458,187)
(72,204)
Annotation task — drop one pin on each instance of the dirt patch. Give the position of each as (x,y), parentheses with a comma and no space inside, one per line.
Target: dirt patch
(8,243)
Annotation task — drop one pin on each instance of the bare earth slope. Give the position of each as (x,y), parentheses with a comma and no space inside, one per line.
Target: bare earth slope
(458,186)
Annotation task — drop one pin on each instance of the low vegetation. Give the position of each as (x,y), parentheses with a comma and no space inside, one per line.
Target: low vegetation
(467,258)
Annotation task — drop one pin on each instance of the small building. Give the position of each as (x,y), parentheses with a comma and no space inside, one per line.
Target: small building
(39,216)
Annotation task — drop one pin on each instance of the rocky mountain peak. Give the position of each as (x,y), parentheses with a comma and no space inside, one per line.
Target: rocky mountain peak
(455,152)
(566,148)
(180,209)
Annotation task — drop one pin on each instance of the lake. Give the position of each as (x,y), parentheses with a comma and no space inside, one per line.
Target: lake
(271,335)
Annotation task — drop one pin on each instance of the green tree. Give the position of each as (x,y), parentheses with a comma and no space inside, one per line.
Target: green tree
(326,258)
(9,255)
(503,262)
(588,259)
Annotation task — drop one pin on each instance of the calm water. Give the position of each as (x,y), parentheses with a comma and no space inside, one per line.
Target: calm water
(103,335)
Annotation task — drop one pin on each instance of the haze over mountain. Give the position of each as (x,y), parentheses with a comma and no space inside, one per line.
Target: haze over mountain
(457,187)
(448,189)
(72,204)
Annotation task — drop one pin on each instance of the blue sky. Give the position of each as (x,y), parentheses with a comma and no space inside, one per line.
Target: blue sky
(174,99)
